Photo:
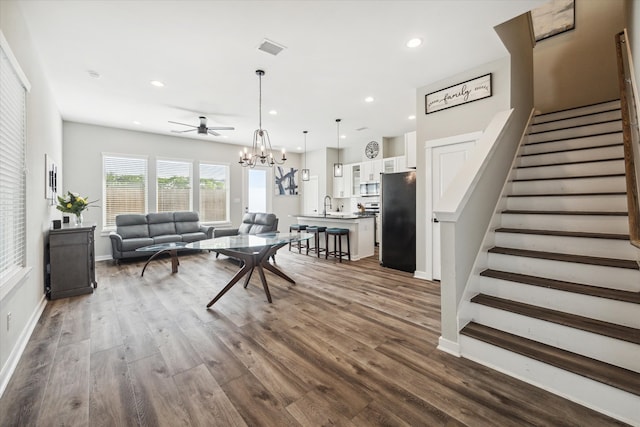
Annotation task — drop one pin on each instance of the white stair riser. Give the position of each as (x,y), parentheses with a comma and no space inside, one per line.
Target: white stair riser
(608,203)
(545,157)
(605,349)
(593,224)
(575,185)
(577,121)
(604,309)
(603,248)
(596,275)
(601,397)
(577,169)
(615,126)
(560,115)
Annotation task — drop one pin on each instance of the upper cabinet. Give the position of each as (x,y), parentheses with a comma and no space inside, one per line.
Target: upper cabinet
(356,173)
(410,149)
(370,171)
(394,164)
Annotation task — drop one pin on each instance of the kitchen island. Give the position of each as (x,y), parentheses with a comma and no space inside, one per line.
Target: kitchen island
(361,229)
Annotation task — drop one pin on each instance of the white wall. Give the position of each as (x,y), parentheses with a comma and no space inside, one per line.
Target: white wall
(44,135)
(471,117)
(82,168)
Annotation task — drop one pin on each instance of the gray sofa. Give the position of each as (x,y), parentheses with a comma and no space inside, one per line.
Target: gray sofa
(134,231)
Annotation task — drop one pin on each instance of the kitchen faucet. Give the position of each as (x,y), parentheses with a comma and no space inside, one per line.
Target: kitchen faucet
(324,212)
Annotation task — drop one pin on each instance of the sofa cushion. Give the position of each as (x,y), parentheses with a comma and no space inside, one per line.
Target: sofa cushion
(135,243)
(131,226)
(166,238)
(161,224)
(186,222)
(193,237)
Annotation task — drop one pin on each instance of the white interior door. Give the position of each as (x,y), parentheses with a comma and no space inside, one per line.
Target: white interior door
(310,195)
(446,158)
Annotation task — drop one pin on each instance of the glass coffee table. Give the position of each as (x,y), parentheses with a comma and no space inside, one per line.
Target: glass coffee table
(160,248)
(254,251)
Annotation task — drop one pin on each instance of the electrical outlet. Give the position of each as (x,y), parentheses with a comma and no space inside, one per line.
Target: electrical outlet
(8,321)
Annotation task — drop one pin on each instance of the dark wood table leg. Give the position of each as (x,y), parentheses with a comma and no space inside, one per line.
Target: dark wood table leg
(272,268)
(174,260)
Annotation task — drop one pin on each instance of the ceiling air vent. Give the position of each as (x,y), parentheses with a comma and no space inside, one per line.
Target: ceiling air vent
(362,128)
(270,47)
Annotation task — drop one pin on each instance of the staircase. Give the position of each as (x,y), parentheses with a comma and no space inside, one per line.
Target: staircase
(559,302)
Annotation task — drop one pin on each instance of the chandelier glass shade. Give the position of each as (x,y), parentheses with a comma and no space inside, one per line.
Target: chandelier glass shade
(261,150)
(337,167)
(305,172)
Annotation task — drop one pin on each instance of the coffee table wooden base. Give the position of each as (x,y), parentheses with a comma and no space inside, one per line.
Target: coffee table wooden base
(174,260)
(252,260)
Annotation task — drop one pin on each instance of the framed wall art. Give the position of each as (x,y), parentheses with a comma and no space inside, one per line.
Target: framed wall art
(286,181)
(50,180)
(461,93)
(553,18)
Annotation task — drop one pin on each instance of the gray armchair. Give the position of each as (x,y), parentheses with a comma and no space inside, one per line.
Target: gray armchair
(252,223)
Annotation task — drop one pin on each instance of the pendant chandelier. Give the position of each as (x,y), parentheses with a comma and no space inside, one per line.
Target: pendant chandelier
(261,150)
(337,167)
(305,171)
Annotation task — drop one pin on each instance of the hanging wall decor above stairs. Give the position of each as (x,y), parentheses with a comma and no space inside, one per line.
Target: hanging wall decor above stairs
(558,303)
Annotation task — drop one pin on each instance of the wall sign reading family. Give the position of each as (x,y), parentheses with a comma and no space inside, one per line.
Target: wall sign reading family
(469,91)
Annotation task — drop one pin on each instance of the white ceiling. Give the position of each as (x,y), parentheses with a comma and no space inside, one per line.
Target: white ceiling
(337,53)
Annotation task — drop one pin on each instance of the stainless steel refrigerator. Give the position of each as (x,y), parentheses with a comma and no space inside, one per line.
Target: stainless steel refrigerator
(398,212)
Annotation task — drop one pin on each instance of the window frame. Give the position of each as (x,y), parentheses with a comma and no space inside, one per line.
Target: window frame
(105,226)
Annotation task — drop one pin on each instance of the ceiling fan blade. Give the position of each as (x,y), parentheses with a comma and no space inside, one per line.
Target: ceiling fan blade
(221,128)
(183,131)
(213,132)
(183,124)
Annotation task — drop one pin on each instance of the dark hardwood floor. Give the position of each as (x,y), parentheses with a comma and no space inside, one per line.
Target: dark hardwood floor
(350,344)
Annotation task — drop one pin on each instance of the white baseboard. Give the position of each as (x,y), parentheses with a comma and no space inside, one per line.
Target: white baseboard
(104,258)
(421,275)
(12,362)
(449,346)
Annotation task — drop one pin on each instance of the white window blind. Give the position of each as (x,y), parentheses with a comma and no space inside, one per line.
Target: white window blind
(12,168)
(214,192)
(174,185)
(125,187)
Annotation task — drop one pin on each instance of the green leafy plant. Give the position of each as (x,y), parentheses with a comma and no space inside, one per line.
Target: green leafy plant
(73,203)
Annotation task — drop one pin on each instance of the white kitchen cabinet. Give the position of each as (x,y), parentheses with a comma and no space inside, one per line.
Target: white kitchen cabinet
(394,164)
(356,173)
(410,149)
(370,171)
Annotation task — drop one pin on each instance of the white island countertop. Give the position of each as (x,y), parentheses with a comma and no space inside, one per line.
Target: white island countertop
(361,229)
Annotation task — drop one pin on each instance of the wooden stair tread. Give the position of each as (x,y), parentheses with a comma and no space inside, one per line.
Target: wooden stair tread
(623,379)
(567,150)
(578,288)
(613,330)
(581,259)
(594,213)
(577,162)
(607,175)
(564,233)
(595,123)
(611,193)
(575,137)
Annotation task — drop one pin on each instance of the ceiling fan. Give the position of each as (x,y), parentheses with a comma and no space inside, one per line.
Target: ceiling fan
(202,129)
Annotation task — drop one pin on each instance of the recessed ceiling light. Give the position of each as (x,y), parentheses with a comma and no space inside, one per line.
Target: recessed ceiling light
(343,136)
(156,83)
(135,122)
(411,117)
(299,148)
(415,42)
(368,99)
(273,112)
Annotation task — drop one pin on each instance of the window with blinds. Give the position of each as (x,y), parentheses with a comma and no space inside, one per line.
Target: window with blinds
(13,121)
(214,192)
(125,187)
(174,186)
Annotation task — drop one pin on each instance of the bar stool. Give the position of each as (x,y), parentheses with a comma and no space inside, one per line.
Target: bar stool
(337,252)
(316,230)
(298,228)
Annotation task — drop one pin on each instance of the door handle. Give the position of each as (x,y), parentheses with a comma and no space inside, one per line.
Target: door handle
(435,220)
